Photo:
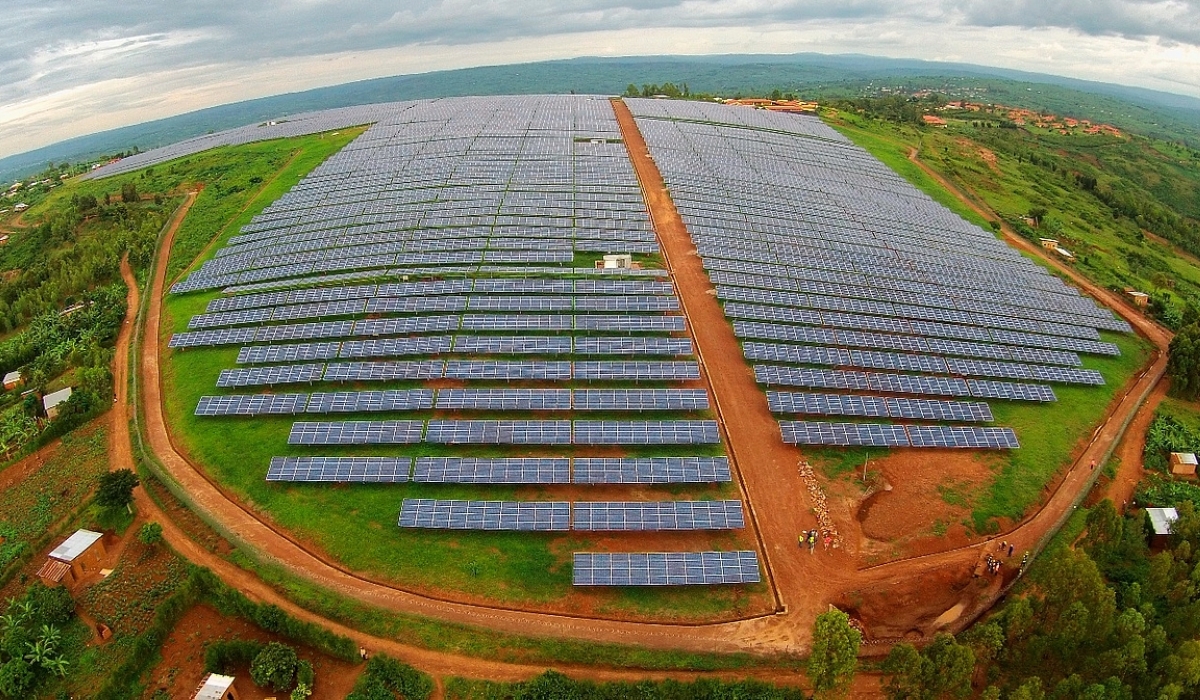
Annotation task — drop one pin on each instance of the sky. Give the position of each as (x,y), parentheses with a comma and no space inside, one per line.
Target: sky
(75,67)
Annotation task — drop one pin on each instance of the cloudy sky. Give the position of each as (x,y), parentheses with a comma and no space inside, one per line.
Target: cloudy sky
(72,67)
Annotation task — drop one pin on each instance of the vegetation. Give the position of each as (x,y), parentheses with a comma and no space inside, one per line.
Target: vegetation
(555,685)
(386,678)
(834,656)
(30,648)
(1183,362)
(116,489)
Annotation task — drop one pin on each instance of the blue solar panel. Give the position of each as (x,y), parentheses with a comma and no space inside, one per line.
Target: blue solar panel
(664,568)
(480,470)
(485,515)
(657,515)
(340,469)
(650,470)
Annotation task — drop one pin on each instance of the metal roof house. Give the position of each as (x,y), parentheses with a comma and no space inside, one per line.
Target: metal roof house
(216,687)
(78,555)
(52,400)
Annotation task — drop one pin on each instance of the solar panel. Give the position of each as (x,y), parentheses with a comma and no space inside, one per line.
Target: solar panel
(640,400)
(826,404)
(657,515)
(664,568)
(1007,390)
(479,470)
(681,432)
(637,370)
(505,399)
(340,469)
(544,516)
(271,375)
(843,434)
(369,401)
(356,432)
(650,470)
(499,432)
(251,405)
(962,436)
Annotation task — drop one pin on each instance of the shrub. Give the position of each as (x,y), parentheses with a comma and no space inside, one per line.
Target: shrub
(275,666)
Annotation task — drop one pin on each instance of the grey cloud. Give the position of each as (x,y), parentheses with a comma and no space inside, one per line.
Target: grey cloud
(1170,20)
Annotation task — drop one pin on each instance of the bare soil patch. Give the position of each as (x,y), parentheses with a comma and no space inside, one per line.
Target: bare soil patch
(181,669)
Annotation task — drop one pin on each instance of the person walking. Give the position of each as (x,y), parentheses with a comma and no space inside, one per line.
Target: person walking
(828,541)
(1010,550)
(812,541)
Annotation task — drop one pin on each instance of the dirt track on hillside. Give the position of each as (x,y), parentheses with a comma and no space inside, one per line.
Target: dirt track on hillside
(806,584)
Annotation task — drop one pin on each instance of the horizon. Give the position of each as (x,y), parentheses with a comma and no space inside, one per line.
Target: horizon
(79,69)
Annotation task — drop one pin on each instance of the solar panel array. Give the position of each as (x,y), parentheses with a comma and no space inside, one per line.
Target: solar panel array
(839,276)
(665,568)
(439,269)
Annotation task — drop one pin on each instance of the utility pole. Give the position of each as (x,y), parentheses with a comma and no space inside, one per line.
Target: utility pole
(865,460)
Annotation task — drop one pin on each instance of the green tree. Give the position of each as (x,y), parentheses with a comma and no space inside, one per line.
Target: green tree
(632,90)
(129,193)
(16,678)
(942,670)
(274,666)
(1183,362)
(150,534)
(834,655)
(116,489)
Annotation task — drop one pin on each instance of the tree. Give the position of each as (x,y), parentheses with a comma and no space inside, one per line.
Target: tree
(275,666)
(16,678)
(632,90)
(834,655)
(1183,363)
(116,489)
(129,193)
(150,534)
(942,670)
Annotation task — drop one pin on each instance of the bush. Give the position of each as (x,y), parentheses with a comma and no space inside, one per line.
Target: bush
(49,605)
(386,678)
(150,534)
(223,656)
(275,666)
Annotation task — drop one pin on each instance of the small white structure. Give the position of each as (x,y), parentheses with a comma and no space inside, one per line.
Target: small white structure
(616,262)
(1161,520)
(52,400)
(1065,253)
(13,379)
(20,206)
(1183,464)
(1139,299)
(216,687)
(1049,243)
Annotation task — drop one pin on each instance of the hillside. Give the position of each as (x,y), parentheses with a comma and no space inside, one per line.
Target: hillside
(1173,116)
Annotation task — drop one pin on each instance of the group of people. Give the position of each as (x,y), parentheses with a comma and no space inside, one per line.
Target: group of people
(820,509)
(809,538)
(1006,549)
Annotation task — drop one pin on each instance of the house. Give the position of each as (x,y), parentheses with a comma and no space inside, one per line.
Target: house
(1160,525)
(1139,299)
(216,687)
(933,120)
(80,554)
(13,379)
(53,400)
(1049,243)
(1183,464)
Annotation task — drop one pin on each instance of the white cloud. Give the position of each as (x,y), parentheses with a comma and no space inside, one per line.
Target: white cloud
(69,67)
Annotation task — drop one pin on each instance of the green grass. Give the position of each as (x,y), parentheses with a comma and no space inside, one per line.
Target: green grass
(1050,434)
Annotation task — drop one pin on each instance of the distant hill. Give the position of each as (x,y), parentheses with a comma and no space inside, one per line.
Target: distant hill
(1145,111)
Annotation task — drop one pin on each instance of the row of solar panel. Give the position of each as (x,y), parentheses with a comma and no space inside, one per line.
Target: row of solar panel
(312,281)
(772,375)
(467,344)
(440,288)
(891,435)
(884,324)
(770,289)
(442,304)
(879,407)
(198,282)
(750,303)
(664,568)
(425,324)
(455,399)
(560,516)
(467,370)
(473,240)
(866,359)
(502,470)
(505,432)
(921,334)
